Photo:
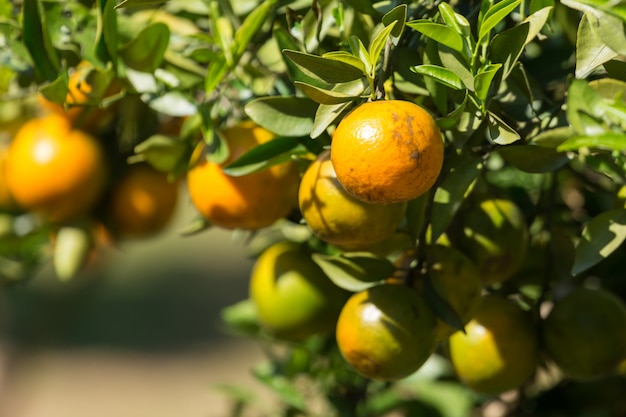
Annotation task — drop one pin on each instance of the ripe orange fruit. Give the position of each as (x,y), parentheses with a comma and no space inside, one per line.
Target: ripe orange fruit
(387,151)
(55,170)
(456,280)
(585,333)
(386,332)
(499,350)
(87,87)
(251,201)
(492,232)
(338,218)
(293,297)
(143,202)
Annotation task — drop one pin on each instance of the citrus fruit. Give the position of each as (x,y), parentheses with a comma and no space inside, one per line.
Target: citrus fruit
(585,335)
(456,280)
(386,332)
(293,297)
(87,87)
(338,218)
(387,151)
(142,202)
(492,232)
(54,169)
(250,201)
(499,349)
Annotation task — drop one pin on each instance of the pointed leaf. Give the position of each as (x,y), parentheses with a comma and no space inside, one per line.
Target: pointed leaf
(441,307)
(600,238)
(138,3)
(346,57)
(494,15)
(145,52)
(354,271)
(164,153)
(506,47)
(325,69)
(285,116)
(326,115)
(533,159)
(441,75)
(378,44)
(397,15)
(499,132)
(250,26)
(37,40)
(454,20)
(323,96)
(262,157)
(483,80)
(441,33)
(591,51)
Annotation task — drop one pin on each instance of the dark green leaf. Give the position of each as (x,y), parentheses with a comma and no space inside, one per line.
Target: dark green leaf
(506,47)
(606,141)
(354,271)
(494,15)
(442,309)
(459,181)
(37,41)
(56,91)
(325,69)
(363,6)
(441,33)
(215,74)
(138,3)
(533,159)
(451,120)
(397,15)
(145,52)
(442,75)
(106,35)
(601,237)
(262,156)
(285,116)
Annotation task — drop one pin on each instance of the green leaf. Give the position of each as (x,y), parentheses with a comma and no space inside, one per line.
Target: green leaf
(323,96)
(554,137)
(174,103)
(606,141)
(506,47)
(326,115)
(37,41)
(591,51)
(215,74)
(145,52)
(71,248)
(325,69)
(285,116)
(138,3)
(617,8)
(451,120)
(437,91)
(457,63)
(347,58)
(454,20)
(533,158)
(483,81)
(363,6)
(106,33)
(462,174)
(56,91)
(441,33)
(164,153)
(262,157)
(359,51)
(441,307)
(396,16)
(494,15)
(583,100)
(378,44)
(250,26)
(441,75)
(499,132)
(600,237)
(355,271)
(241,317)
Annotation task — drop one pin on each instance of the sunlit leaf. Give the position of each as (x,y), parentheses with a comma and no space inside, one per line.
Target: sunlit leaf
(441,75)
(441,33)
(145,52)
(354,271)
(494,15)
(606,141)
(499,132)
(600,238)
(591,51)
(285,116)
(262,156)
(325,69)
(397,16)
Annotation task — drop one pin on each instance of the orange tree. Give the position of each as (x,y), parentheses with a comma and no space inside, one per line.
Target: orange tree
(495,128)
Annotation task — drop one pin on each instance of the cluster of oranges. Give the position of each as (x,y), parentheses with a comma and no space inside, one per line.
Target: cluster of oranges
(353,197)
(61,167)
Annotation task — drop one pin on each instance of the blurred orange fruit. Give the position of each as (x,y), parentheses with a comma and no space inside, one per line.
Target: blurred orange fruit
(143,202)
(250,201)
(387,151)
(54,169)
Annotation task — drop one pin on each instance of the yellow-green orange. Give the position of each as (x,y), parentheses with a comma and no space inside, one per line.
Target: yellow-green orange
(499,350)
(456,280)
(250,201)
(492,232)
(585,333)
(54,169)
(293,297)
(338,218)
(387,151)
(386,332)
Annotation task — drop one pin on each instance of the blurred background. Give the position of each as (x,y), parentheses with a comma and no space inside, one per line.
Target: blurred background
(138,333)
